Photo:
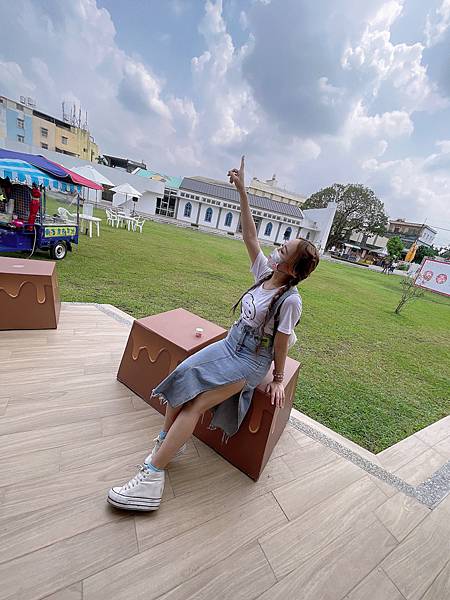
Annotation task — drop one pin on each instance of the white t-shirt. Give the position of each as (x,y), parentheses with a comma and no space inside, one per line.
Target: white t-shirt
(256,302)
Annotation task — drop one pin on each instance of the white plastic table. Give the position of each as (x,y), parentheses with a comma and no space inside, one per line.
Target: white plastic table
(128,220)
(89,220)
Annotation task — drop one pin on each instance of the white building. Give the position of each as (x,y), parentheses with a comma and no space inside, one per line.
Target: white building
(271,189)
(204,204)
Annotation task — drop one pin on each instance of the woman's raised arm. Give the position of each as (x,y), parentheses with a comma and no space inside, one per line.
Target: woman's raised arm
(237,176)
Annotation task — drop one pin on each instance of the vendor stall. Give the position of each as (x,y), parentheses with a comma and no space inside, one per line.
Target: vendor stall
(25,225)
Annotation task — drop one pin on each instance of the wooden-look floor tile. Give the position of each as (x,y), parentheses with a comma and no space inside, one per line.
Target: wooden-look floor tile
(3,404)
(285,445)
(198,473)
(160,569)
(28,380)
(95,479)
(403,452)
(443,447)
(301,438)
(29,466)
(35,575)
(376,586)
(74,456)
(435,432)
(422,467)
(49,437)
(389,490)
(15,365)
(337,567)
(440,588)
(227,491)
(132,421)
(61,415)
(244,574)
(73,592)
(31,531)
(307,491)
(304,537)
(400,514)
(309,458)
(416,562)
(140,404)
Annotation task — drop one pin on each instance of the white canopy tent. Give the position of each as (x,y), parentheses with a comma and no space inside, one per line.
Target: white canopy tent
(123,193)
(91,173)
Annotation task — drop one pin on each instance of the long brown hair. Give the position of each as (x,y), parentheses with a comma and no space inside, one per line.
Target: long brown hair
(303,263)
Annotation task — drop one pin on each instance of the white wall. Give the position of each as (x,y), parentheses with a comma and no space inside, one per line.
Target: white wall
(324,219)
(194,211)
(262,229)
(234,222)
(146,203)
(215,214)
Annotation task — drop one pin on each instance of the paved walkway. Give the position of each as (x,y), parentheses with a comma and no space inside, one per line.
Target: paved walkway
(326,521)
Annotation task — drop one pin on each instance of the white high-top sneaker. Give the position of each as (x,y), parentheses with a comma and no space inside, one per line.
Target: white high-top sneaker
(143,492)
(157,446)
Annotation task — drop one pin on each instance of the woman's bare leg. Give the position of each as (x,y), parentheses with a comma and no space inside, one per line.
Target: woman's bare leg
(185,422)
(171,415)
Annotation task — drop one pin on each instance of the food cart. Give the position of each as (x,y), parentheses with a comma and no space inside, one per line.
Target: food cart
(25,225)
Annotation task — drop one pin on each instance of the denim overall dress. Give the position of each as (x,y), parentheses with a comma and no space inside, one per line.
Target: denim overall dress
(245,354)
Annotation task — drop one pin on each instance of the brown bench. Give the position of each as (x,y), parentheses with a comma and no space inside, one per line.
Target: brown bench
(157,344)
(29,294)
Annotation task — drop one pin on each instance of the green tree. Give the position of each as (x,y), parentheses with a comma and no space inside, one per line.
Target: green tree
(395,247)
(423,251)
(358,210)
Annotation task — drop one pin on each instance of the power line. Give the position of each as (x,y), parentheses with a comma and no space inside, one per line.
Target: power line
(436,227)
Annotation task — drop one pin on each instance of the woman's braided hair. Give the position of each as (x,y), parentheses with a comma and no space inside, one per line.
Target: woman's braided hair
(304,262)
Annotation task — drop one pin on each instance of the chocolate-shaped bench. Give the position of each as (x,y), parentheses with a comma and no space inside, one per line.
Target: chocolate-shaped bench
(29,294)
(157,344)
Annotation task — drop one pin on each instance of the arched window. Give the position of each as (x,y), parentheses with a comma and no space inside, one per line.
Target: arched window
(287,233)
(228,219)
(268,229)
(187,209)
(307,235)
(208,215)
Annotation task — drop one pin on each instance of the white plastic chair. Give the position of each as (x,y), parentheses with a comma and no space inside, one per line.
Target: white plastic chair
(138,222)
(66,215)
(111,217)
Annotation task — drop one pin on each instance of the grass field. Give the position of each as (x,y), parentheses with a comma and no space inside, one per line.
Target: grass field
(371,375)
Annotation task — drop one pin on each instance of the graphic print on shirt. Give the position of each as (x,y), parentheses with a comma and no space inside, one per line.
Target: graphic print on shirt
(248,307)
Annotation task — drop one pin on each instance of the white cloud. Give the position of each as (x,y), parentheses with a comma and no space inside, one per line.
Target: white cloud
(412,190)
(437,25)
(243,20)
(400,66)
(391,124)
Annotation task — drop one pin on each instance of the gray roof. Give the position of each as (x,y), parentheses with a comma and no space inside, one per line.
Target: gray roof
(225,191)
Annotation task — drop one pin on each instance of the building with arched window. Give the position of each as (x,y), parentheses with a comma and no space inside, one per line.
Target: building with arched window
(187,209)
(210,204)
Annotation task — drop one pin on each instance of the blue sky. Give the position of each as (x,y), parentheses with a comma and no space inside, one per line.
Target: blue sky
(316,92)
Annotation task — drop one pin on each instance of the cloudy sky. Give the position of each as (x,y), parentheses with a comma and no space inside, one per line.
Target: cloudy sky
(316,92)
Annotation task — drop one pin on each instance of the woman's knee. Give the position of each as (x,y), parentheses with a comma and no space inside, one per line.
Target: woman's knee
(210,398)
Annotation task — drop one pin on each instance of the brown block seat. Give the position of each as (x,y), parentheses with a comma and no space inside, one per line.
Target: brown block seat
(29,294)
(157,344)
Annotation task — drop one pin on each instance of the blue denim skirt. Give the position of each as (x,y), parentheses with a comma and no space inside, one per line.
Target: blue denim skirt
(229,360)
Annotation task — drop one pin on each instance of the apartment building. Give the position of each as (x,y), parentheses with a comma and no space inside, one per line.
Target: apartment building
(21,122)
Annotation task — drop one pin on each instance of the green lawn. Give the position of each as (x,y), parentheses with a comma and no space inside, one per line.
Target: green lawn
(373,376)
